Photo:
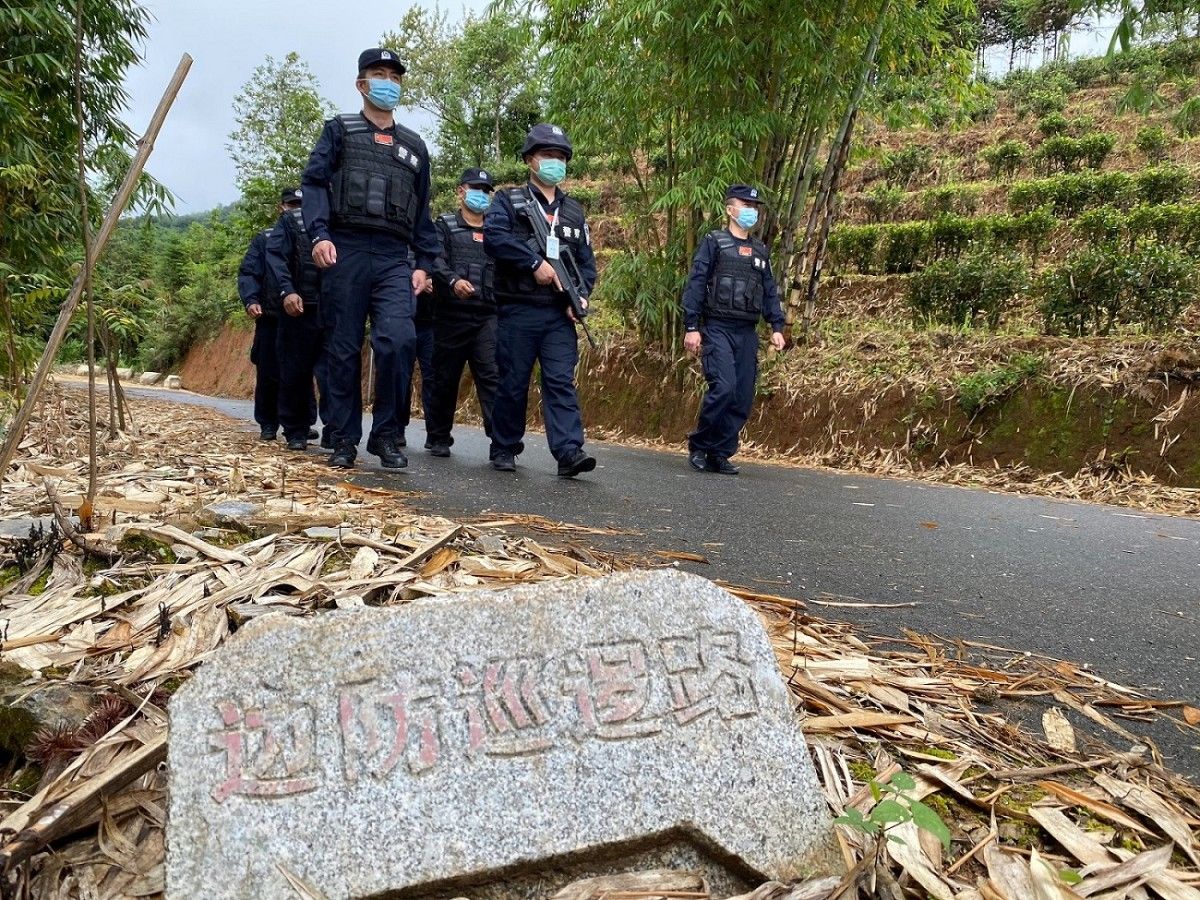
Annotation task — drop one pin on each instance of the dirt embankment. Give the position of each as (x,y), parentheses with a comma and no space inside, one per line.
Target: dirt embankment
(221,367)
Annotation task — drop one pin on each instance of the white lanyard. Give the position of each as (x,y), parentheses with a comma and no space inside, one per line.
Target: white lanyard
(552,247)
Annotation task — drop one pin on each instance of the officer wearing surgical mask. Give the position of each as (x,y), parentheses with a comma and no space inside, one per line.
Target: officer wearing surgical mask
(729,290)
(366,206)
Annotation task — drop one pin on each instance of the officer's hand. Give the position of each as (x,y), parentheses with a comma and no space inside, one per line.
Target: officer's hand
(571,312)
(545,274)
(463,289)
(254,310)
(293,305)
(777,340)
(324,254)
(691,342)
(421,281)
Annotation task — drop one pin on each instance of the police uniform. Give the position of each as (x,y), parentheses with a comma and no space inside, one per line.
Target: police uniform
(300,341)
(423,358)
(730,289)
(532,323)
(256,285)
(464,328)
(366,189)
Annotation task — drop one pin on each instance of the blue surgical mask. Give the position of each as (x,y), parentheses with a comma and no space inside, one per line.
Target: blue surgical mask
(747,217)
(384,93)
(552,171)
(476,200)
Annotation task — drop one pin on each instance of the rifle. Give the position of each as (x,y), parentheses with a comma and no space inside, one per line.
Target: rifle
(565,267)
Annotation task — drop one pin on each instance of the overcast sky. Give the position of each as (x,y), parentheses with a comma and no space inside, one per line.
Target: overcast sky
(227,39)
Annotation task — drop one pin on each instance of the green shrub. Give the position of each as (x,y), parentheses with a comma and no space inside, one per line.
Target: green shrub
(987,388)
(1187,118)
(903,246)
(1081,125)
(1005,159)
(1042,102)
(588,196)
(949,235)
(1059,153)
(854,245)
(1095,148)
(900,167)
(1152,140)
(981,106)
(959,199)
(1068,195)
(882,202)
(1100,225)
(1055,123)
(975,288)
(1163,184)
(1101,286)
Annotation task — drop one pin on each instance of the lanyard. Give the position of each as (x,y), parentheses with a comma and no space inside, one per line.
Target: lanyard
(551,238)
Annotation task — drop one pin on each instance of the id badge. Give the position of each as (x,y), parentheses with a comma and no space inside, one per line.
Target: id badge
(552,246)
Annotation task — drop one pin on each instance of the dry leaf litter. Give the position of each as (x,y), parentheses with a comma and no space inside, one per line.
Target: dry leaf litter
(161,587)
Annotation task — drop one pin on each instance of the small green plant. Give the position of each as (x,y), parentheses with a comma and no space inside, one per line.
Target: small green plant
(949,235)
(1055,123)
(1094,148)
(956,199)
(1104,224)
(1005,159)
(975,289)
(903,246)
(1059,153)
(854,245)
(901,167)
(894,806)
(882,202)
(1043,102)
(987,388)
(1081,125)
(1152,140)
(1187,118)
(1163,184)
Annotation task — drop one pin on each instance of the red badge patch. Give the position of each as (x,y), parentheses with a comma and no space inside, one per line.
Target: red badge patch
(385,139)
(745,251)
(477,236)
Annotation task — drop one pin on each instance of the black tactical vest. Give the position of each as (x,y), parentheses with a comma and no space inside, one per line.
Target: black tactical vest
(375,186)
(735,290)
(516,285)
(306,277)
(463,247)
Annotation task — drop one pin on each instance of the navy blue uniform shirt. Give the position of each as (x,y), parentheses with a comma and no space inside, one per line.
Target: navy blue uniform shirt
(696,291)
(316,203)
(281,244)
(252,273)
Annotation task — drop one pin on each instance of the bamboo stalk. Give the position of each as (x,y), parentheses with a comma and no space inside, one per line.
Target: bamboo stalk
(145,147)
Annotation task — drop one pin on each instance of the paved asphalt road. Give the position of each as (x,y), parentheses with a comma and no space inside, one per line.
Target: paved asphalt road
(1099,585)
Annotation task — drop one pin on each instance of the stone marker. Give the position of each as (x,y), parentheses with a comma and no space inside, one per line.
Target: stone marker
(173,382)
(493,745)
(149,377)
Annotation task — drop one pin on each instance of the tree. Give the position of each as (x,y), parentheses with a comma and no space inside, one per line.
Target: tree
(39,186)
(481,81)
(279,113)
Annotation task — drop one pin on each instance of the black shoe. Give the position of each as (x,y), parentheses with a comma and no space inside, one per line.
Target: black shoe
(312,434)
(722,466)
(297,444)
(326,442)
(402,441)
(579,463)
(698,460)
(343,456)
(269,434)
(504,462)
(388,451)
(438,449)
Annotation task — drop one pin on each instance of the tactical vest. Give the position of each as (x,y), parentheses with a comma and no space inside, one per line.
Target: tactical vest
(735,290)
(306,277)
(517,285)
(375,186)
(270,301)
(463,246)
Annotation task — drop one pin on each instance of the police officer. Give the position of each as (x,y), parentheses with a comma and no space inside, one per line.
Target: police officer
(465,325)
(730,288)
(366,203)
(535,321)
(423,323)
(301,337)
(259,294)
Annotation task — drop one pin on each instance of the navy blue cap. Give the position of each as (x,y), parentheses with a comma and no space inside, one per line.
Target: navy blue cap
(378,56)
(546,136)
(744,192)
(477,178)
(291,195)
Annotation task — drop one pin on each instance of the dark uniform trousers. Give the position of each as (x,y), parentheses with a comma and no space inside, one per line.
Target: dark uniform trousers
(461,341)
(729,357)
(423,358)
(264,356)
(528,333)
(299,349)
(371,278)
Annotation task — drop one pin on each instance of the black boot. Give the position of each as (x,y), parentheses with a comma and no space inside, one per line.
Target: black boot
(390,455)
(698,460)
(504,462)
(722,465)
(343,456)
(269,434)
(438,448)
(577,464)
(312,434)
(297,444)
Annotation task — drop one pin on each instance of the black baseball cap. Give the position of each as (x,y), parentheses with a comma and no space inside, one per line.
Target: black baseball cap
(291,195)
(479,178)
(379,56)
(744,192)
(545,136)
